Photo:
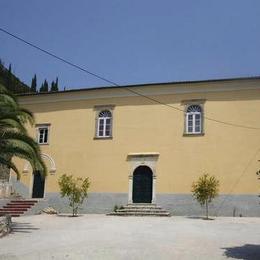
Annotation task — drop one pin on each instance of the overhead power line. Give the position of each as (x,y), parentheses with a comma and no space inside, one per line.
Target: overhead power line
(51,54)
(226,197)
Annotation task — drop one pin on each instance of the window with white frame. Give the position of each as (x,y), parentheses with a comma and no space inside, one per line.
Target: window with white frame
(194,119)
(43,134)
(104,124)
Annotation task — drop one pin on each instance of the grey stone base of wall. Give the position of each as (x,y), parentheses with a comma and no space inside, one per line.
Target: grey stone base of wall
(224,205)
(177,204)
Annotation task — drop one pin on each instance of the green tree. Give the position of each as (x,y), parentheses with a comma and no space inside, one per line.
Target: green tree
(14,139)
(57,84)
(41,89)
(9,79)
(44,87)
(205,190)
(76,189)
(54,85)
(34,84)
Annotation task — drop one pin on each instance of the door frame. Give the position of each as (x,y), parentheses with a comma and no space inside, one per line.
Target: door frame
(142,159)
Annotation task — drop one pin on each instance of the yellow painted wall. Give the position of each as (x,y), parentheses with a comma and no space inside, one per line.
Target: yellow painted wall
(140,125)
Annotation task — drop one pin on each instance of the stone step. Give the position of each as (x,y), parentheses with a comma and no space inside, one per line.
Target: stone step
(140,213)
(140,209)
(14,209)
(11,212)
(18,205)
(24,201)
(12,215)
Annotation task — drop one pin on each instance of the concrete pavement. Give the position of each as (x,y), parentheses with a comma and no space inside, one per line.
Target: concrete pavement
(106,237)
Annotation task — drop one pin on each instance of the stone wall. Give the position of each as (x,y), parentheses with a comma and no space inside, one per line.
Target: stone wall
(177,204)
(5,189)
(5,225)
(247,205)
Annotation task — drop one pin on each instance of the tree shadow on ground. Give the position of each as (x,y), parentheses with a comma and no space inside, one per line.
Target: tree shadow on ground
(247,252)
(197,217)
(65,215)
(22,227)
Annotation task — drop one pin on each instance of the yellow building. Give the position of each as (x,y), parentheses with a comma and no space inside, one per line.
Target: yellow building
(148,143)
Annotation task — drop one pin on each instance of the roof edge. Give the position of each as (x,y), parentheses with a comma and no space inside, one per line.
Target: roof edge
(140,85)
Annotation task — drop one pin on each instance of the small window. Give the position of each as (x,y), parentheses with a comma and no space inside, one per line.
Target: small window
(104,124)
(194,119)
(43,134)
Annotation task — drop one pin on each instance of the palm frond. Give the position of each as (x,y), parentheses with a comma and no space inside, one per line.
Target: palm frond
(11,165)
(14,141)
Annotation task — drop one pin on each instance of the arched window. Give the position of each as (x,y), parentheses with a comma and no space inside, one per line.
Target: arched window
(194,119)
(104,126)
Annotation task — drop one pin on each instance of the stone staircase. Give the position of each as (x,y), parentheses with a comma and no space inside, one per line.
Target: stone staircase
(16,208)
(141,209)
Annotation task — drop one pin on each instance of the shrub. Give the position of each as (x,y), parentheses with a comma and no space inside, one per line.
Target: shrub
(205,190)
(75,189)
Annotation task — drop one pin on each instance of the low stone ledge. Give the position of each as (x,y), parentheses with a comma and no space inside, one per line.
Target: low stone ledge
(5,225)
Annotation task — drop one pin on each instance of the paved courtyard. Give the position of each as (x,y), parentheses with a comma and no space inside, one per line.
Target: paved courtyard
(106,237)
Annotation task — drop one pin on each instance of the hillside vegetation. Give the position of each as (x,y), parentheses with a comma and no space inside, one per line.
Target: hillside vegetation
(11,82)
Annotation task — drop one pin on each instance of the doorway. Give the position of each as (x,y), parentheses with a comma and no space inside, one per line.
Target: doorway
(38,185)
(142,185)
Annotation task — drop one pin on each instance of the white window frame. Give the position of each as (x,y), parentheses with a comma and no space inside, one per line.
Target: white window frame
(43,126)
(105,124)
(193,119)
(98,109)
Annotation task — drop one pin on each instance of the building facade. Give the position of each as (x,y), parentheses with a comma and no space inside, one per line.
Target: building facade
(148,143)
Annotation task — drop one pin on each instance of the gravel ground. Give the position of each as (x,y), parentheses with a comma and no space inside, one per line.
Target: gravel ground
(106,237)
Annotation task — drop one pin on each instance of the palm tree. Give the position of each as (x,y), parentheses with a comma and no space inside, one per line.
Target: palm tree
(14,139)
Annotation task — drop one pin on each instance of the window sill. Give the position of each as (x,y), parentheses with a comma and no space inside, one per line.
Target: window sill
(44,144)
(103,138)
(195,134)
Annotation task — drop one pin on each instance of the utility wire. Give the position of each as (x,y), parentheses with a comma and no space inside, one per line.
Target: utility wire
(114,83)
(238,180)
(58,57)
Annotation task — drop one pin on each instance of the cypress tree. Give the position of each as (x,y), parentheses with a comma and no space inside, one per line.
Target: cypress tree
(41,88)
(9,78)
(57,84)
(53,86)
(44,87)
(34,84)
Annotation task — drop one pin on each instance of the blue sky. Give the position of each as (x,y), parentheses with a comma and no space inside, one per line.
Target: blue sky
(132,41)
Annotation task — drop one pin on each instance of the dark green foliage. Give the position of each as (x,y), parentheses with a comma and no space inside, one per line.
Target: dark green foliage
(76,189)
(14,139)
(205,189)
(45,86)
(57,84)
(12,83)
(34,84)
(54,86)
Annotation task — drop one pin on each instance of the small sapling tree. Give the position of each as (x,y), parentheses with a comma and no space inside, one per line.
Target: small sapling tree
(205,190)
(76,189)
